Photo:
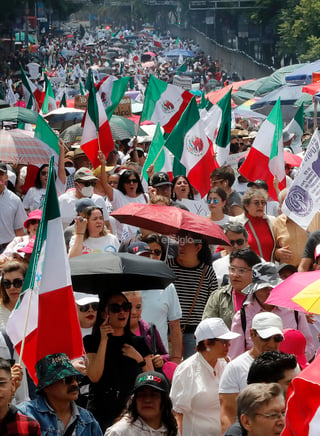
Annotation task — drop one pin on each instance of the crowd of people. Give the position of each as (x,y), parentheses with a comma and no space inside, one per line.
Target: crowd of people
(207,355)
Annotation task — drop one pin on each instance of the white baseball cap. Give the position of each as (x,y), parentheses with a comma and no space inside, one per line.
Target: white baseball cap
(82,298)
(213,328)
(267,324)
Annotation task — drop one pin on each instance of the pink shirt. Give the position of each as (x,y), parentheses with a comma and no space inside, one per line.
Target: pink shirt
(238,347)
(238,299)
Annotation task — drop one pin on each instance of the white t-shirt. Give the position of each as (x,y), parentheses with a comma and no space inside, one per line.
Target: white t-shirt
(102,244)
(12,215)
(194,393)
(34,197)
(234,378)
(67,203)
(160,306)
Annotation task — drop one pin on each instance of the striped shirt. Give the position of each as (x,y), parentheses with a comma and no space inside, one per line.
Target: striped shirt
(187,283)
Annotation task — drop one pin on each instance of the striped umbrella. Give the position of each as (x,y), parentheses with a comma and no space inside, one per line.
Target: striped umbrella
(18,147)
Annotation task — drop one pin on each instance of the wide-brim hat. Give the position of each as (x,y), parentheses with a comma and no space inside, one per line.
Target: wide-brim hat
(53,368)
(264,275)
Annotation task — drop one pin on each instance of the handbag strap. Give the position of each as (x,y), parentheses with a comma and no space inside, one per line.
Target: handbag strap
(153,338)
(196,296)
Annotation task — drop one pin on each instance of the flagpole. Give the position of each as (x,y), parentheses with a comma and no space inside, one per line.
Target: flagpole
(156,158)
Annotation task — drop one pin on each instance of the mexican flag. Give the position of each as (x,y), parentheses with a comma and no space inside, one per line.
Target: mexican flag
(222,146)
(96,134)
(191,146)
(48,137)
(157,41)
(111,91)
(303,403)
(183,68)
(158,155)
(63,101)
(164,103)
(45,319)
(295,127)
(49,102)
(265,159)
(32,94)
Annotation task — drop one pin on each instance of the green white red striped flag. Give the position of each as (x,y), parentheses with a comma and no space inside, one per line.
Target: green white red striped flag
(295,127)
(32,94)
(45,319)
(111,91)
(265,159)
(164,103)
(192,148)
(49,102)
(96,131)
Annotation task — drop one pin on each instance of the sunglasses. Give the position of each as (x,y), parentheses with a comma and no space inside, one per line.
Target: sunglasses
(157,252)
(212,200)
(130,181)
(117,308)
(16,283)
(33,222)
(237,242)
(70,379)
(86,307)
(87,184)
(276,338)
(44,173)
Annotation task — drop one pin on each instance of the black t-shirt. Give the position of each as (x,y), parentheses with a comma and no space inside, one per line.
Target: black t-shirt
(312,241)
(108,396)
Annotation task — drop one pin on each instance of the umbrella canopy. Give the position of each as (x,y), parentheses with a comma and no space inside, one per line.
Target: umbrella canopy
(275,80)
(64,117)
(292,159)
(121,128)
(282,294)
(20,148)
(18,114)
(150,53)
(312,89)
(303,75)
(288,95)
(169,220)
(215,96)
(116,272)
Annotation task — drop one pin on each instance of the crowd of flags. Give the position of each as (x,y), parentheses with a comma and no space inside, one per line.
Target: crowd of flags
(198,137)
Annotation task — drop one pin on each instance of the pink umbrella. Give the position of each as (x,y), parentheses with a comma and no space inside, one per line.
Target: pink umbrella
(169,220)
(150,53)
(282,294)
(292,159)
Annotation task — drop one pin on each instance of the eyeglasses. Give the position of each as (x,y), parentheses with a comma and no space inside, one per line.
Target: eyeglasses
(87,184)
(236,242)
(272,416)
(276,338)
(44,173)
(16,283)
(240,271)
(86,307)
(129,181)
(157,252)
(212,200)
(116,308)
(259,202)
(33,222)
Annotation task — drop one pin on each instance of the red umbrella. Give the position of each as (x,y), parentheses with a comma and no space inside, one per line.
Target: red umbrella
(169,220)
(292,159)
(282,294)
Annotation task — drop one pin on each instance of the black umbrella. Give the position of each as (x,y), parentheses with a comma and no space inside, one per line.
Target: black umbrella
(116,272)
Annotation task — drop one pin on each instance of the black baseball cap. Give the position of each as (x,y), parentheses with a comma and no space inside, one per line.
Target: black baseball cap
(153,379)
(160,179)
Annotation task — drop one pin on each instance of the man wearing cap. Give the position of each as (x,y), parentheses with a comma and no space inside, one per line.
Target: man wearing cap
(12,213)
(84,186)
(265,277)
(54,406)
(80,160)
(266,335)
(80,205)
